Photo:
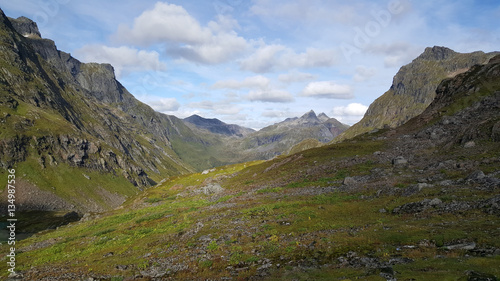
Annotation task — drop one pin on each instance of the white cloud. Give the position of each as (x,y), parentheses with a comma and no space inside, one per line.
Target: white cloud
(263,60)
(274,57)
(224,107)
(352,109)
(203,105)
(218,49)
(258,81)
(165,22)
(396,54)
(364,73)
(349,114)
(165,104)
(277,96)
(328,89)
(295,76)
(124,59)
(184,36)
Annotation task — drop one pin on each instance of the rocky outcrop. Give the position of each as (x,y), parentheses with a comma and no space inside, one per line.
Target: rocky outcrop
(26,27)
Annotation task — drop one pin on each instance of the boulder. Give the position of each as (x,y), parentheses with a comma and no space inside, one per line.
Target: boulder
(400,160)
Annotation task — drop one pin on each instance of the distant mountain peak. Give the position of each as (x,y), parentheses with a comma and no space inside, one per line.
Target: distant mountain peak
(323,117)
(217,126)
(309,115)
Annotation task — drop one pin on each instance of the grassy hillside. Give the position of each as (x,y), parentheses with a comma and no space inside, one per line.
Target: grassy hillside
(292,217)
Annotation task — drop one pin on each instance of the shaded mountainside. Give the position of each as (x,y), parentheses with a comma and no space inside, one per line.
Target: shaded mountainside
(418,202)
(74,130)
(218,127)
(414,87)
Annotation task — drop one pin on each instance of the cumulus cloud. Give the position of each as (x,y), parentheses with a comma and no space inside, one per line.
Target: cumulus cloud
(124,59)
(186,38)
(294,77)
(165,22)
(165,104)
(276,96)
(396,54)
(219,108)
(268,58)
(352,109)
(206,104)
(364,73)
(258,81)
(328,89)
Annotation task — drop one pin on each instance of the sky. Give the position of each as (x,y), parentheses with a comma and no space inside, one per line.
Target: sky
(257,62)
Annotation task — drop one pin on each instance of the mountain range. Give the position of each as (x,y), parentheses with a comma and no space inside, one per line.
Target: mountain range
(73,125)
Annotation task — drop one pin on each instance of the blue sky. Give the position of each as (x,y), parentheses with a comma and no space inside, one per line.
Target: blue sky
(254,63)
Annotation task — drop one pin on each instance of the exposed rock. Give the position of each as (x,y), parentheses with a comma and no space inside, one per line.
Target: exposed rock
(154,272)
(478,276)
(400,160)
(435,202)
(26,27)
(462,246)
(349,181)
(469,144)
(210,189)
(477,175)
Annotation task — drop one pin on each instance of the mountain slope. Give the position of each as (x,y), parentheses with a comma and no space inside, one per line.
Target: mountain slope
(413,88)
(420,201)
(218,127)
(64,120)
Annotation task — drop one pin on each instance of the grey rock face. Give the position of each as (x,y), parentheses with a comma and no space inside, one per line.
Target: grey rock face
(26,27)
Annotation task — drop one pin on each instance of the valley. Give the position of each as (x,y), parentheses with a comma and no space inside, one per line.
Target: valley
(109,189)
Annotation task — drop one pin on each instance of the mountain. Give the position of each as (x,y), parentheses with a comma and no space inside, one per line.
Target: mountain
(417,202)
(414,87)
(279,138)
(76,133)
(218,127)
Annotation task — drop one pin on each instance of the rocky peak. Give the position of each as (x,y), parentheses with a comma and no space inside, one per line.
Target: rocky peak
(310,116)
(323,117)
(26,27)
(437,53)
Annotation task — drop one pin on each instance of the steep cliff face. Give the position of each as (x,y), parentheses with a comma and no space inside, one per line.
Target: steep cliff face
(414,88)
(25,27)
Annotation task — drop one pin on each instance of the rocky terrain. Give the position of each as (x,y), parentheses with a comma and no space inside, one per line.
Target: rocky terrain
(417,202)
